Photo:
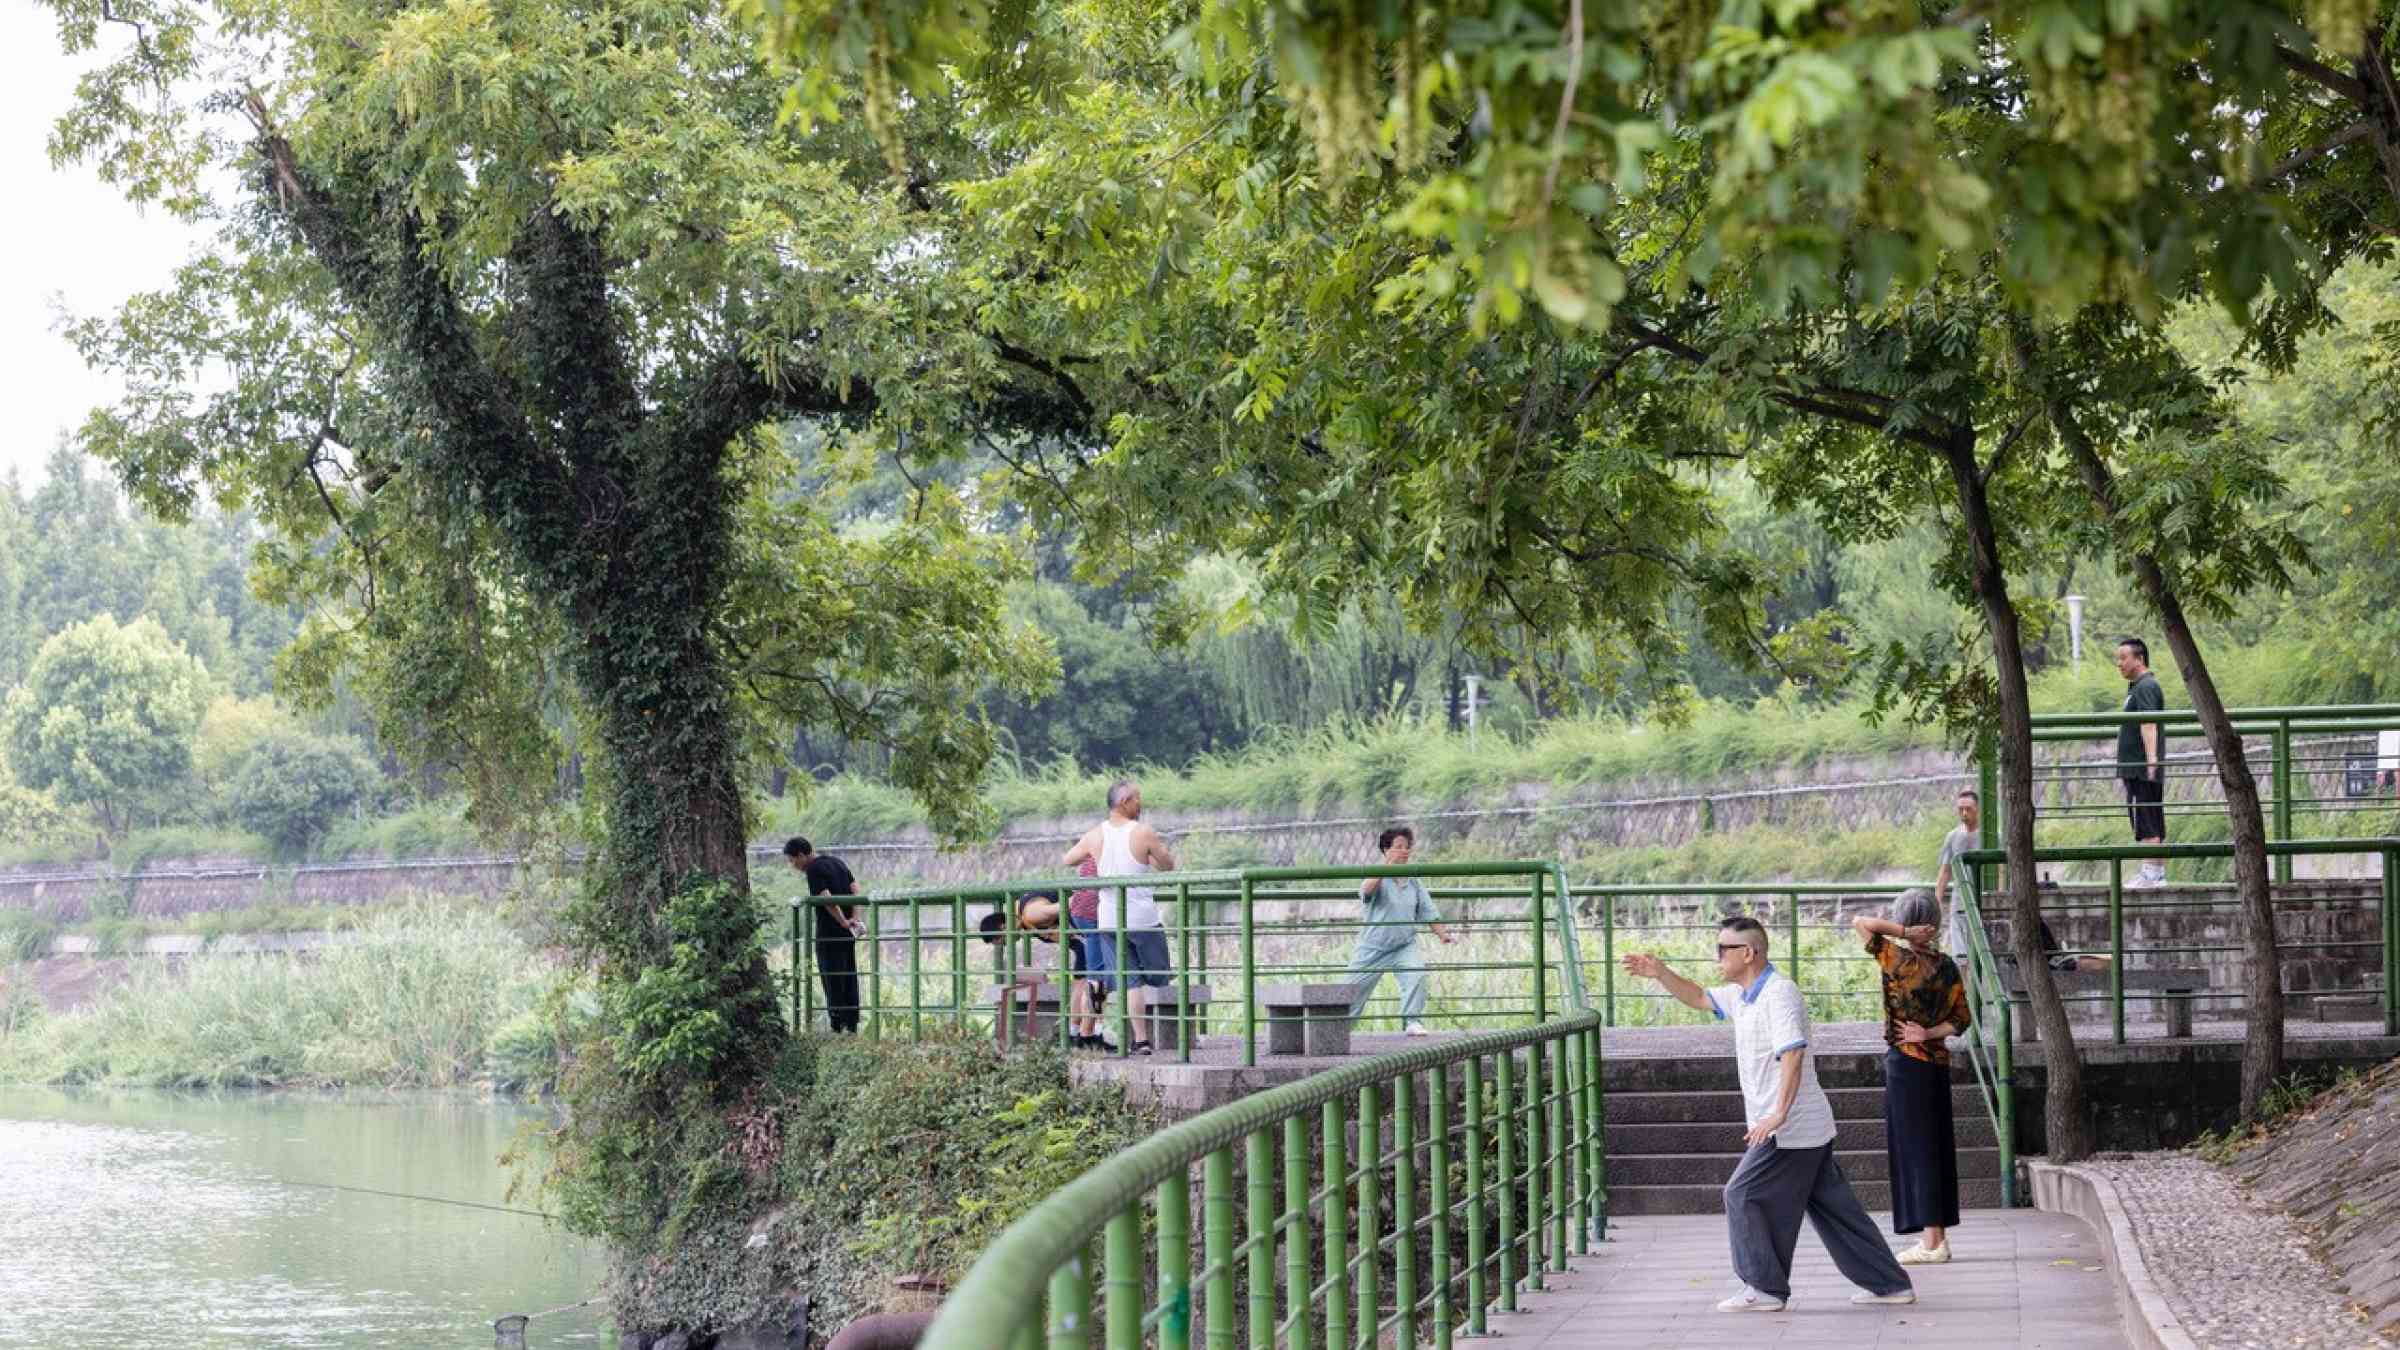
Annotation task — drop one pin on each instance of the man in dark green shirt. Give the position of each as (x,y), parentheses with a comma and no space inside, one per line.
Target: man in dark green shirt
(2139,763)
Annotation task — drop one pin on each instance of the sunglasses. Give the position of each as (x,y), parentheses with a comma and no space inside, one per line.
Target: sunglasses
(1724,947)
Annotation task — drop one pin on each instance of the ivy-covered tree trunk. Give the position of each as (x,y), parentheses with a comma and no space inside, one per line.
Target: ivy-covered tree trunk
(2064,1120)
(2262,1040)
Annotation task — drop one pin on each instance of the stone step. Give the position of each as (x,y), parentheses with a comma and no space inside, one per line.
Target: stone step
(1973,1131)
(1716,1073)
(1715,1169)
(1696,1108)
(1978,1193)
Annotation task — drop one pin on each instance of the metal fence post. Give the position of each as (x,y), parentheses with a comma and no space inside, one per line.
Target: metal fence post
(1404,1207)
(1174,1264)
(1369,1283)
(1541,958)
(1249,976)
(1504,1064)
(1071,1304)
(1125,985)
(2116,949)
(1438,1164)
(1216,1248)
(916,987)
(1561,1193)
(2391,944)
(1608,956)
(1337,1228)
(2283,796)
(800,1010)
(1123,1277)
(1475,1189)
(1596,1143)
(1258,1176)
(1295,1233)
(1537,1172)
(1183,973)
(874,970)
(1791,934)
(958,960)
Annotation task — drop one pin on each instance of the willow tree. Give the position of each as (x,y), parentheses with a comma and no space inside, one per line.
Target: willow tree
(500,306)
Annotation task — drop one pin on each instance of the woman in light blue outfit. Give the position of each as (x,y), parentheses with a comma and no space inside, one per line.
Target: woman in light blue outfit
(1394,907)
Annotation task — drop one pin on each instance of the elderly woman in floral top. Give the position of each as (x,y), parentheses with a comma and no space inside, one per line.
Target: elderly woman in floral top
(1924,1005)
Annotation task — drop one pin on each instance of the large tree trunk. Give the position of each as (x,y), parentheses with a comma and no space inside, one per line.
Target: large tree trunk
(2262,1040)
(2069,1131)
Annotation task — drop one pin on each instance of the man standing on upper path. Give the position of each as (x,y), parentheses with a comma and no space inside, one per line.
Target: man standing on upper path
(2139,762)
(1947,866)
(1132,943)
(1789,1169)
(838,928)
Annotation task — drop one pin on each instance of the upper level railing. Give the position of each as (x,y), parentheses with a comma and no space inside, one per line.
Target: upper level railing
(1233,931)
(1991,1036)
(2321,762)
(1486,1152)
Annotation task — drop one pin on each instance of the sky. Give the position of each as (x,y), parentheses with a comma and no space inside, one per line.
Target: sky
(66,239)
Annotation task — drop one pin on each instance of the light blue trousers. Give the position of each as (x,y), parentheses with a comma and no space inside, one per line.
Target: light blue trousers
(1367,969)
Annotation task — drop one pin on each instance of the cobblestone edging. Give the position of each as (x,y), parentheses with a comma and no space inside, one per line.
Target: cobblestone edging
(2197,1266)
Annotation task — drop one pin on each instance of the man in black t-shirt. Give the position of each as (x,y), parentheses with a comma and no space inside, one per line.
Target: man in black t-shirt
(2139,762)
(837,929)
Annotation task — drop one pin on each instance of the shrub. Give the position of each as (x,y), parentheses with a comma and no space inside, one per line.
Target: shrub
(292,786)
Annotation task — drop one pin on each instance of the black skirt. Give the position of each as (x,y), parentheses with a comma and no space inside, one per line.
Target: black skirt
(1920,1142)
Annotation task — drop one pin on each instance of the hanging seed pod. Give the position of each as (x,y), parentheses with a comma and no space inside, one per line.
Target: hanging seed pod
(1408,129)
(882,92)
(2340,26)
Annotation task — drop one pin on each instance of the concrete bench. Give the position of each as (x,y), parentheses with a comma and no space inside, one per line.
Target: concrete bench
(1165,1009)
(1307,1019)
(1027,1010)
(2172,986)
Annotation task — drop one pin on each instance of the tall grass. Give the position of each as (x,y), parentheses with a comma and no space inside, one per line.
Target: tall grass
(414,998)
(1369,764)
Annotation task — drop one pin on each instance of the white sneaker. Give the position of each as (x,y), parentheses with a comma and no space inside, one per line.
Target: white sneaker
(1750,1300)
(1904,1296)
(1922,1255)
(1418,1029)
(2146,880)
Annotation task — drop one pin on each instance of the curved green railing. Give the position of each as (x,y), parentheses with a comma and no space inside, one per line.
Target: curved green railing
(1495,1166)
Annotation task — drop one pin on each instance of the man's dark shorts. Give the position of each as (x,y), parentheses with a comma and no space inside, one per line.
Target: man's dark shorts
(1144,961)
(2143,798)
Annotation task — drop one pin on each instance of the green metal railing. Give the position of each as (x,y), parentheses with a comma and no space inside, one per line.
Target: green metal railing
(2287,764)
(2385,850)
(1991,1039)
(1515,920)
(1784,912)
(1485,1152)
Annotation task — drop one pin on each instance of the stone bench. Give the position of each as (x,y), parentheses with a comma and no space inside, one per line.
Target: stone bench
(2173,986)
(1026,1010)
(1307,1019)
(1164,1010)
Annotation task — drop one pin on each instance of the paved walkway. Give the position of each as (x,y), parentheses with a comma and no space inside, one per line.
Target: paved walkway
(2021,1278)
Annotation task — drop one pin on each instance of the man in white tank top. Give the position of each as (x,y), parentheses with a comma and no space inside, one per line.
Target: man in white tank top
(1132,945)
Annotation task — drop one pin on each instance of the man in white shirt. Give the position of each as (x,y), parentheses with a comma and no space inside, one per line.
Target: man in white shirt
(1131,950)
(1789,1169)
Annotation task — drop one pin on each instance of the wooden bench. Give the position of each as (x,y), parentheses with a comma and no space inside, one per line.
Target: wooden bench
(1027,1010)
(1307,1019)
(1163,1012)
(2171,987)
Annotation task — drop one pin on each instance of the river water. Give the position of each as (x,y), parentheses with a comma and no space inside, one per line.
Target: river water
(153,1219)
